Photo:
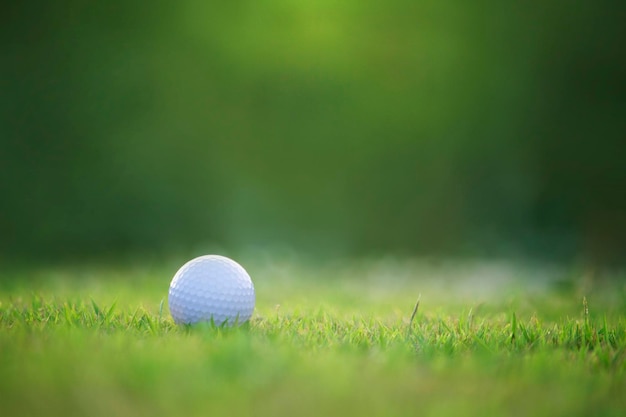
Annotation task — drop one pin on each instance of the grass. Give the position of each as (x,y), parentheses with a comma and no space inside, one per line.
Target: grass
(486,339)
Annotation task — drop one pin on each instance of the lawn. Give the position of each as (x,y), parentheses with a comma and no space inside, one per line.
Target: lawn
(487,338)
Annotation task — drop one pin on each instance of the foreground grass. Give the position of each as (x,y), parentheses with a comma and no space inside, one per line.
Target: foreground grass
(339,340)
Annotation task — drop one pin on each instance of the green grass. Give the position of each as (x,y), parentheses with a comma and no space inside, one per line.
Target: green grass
(487,339)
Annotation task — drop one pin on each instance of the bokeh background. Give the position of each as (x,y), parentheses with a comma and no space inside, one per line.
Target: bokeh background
(341,128)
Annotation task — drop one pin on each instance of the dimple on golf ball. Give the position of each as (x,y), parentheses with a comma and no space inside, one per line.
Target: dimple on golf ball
(211,288)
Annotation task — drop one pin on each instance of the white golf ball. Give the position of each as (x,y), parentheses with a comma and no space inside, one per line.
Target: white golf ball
(211,288)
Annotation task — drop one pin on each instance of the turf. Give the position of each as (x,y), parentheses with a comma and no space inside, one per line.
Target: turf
(340,339)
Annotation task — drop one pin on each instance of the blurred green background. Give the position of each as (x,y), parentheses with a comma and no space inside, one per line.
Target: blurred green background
(350,128)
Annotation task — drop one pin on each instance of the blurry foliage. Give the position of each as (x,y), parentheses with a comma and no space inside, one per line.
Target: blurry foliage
(435,126)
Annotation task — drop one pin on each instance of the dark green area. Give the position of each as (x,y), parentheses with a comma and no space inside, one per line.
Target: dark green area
(428,127)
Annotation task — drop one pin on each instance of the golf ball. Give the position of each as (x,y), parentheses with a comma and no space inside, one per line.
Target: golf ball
(211,288)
